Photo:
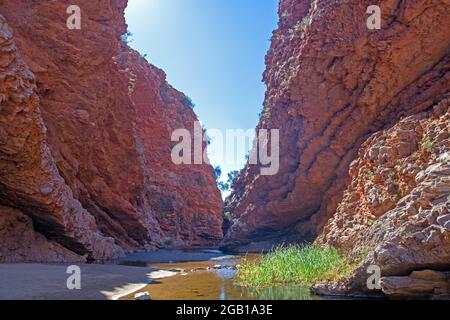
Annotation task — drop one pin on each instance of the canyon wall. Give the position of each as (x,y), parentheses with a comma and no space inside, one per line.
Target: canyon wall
(364,142)
(331,83)
(395,213)
(85,143)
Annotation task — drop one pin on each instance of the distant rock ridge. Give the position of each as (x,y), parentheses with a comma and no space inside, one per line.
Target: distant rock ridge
(85,143)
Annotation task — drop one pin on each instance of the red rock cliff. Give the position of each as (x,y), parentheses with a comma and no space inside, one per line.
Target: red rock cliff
(85,122)
(395,213)
(331,83)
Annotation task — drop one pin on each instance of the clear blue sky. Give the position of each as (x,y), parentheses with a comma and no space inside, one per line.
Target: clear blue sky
(212,50)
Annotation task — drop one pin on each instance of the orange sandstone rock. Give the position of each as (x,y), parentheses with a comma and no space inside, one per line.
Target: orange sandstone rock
(397,218)
(331,83)
(85,138)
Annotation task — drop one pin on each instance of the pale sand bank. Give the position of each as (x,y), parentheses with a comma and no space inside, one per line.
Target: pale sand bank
(47,282)
(98,281)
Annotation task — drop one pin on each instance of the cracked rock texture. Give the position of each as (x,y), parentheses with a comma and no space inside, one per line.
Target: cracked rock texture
(364,143)
(396,212)
(331,83)
(85,142)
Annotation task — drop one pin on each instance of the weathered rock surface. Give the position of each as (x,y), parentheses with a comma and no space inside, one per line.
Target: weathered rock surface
(331,84)
(339,92)
(21,243)
(85,143)
(30,180)
(418,284)
(395,214)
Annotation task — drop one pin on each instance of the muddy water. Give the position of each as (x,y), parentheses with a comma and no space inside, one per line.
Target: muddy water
(193,281)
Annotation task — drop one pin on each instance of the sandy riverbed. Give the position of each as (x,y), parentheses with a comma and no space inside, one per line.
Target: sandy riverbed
(166,275)
(98,281)
(47,282)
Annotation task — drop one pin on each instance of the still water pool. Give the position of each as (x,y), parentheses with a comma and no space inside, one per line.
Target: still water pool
(197,276)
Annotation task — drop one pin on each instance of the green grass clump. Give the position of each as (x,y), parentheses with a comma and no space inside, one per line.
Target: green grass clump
(228,216)
(294,264)
(395,197)
(428,145)
(370,175)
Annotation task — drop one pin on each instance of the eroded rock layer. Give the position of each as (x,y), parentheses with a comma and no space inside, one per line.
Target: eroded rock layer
(364,118)
(396,212)
(85,141)
(331,83)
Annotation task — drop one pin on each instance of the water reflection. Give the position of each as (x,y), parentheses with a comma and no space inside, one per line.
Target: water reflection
(231,291)
(198,283)
(281,293)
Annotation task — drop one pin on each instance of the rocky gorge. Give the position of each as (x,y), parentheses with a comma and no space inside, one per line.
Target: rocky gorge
(85,167)
(364,119)
(364,162)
